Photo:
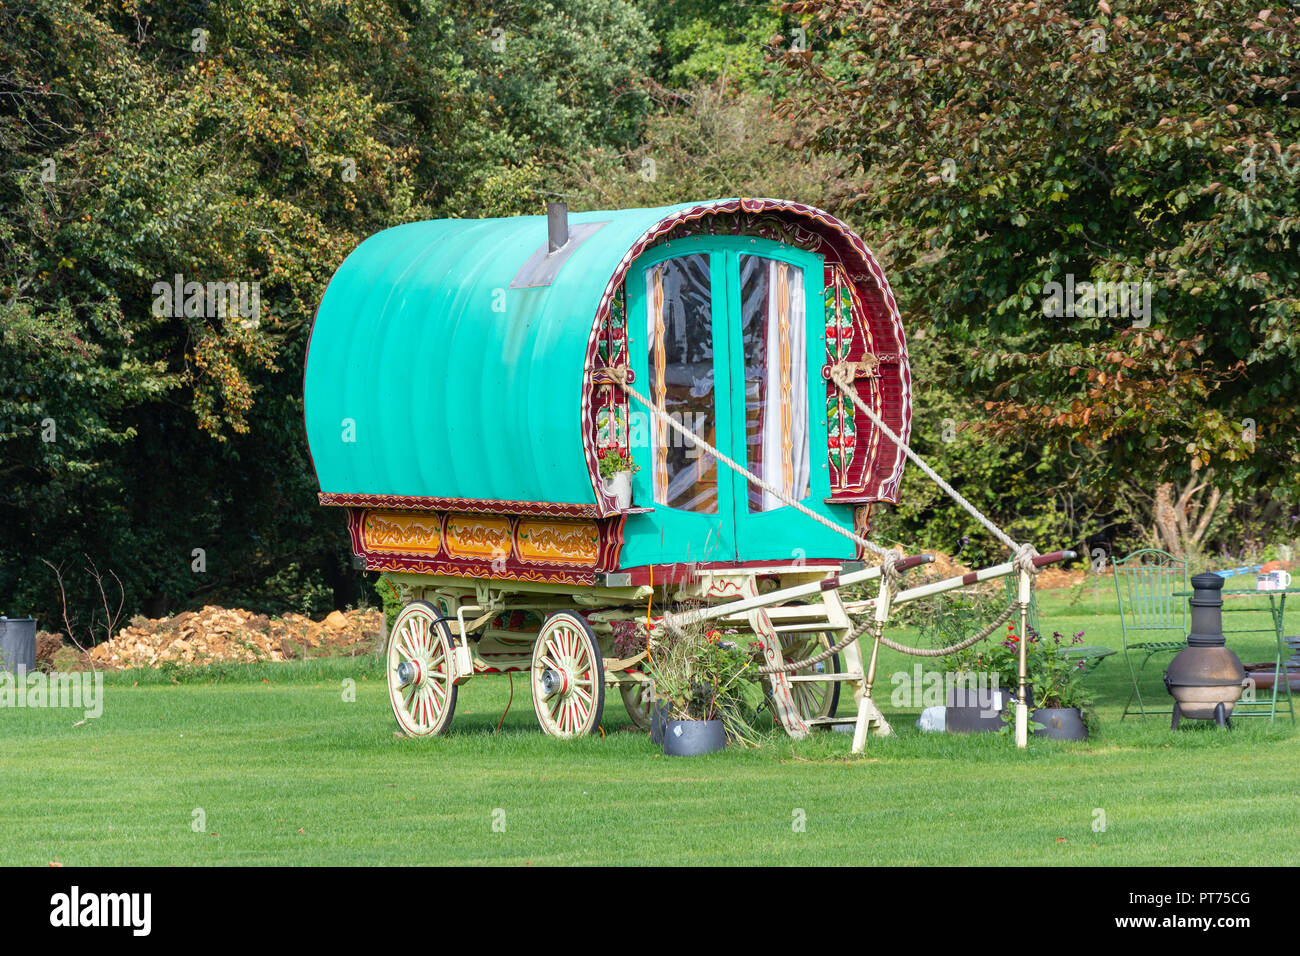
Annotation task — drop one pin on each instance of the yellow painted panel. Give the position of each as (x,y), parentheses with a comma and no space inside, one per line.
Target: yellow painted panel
(401,532)
(567,542)
(478,536)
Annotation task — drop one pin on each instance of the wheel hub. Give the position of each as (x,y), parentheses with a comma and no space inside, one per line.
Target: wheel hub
(554,682)
(409,672)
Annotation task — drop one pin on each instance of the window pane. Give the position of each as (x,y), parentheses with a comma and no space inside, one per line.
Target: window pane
(776,379)
(679,316)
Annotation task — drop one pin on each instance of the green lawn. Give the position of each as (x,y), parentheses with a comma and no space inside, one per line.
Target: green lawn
(286,771)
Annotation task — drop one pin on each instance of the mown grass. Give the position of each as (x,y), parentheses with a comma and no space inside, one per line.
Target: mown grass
(285,770)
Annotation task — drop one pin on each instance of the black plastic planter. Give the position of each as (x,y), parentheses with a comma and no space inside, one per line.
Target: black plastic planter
(17,643)
(1059,723)
(975,717)
(690,738)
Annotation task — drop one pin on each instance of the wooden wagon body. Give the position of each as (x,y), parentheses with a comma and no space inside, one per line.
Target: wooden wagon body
(463,382)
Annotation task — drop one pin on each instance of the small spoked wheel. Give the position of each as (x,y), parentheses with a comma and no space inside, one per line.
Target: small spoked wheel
(568,677)
(421,684)
(813,699)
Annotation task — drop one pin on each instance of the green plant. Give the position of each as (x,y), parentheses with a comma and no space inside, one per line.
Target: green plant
(615,460)
(1057,679)
(700,675)
(948,619)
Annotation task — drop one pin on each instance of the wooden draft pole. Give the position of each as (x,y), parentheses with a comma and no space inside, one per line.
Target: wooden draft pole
(869,716)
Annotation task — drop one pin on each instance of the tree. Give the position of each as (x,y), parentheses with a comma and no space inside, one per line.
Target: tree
(254,142)
(1036,158)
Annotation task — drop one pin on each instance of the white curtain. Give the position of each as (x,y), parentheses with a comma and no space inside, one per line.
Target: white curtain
(785,419)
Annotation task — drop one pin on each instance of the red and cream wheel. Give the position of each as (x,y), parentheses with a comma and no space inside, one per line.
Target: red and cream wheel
(568,677)
(420,677)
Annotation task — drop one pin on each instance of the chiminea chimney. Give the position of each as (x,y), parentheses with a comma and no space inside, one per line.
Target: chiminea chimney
(557,226)
(1205,678)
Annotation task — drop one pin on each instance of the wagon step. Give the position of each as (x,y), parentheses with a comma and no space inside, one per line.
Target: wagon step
(808,611)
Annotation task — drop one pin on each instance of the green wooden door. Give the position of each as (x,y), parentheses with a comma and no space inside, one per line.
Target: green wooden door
(725,333)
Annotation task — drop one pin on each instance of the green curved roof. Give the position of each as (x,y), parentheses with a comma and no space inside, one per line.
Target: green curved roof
(428,375)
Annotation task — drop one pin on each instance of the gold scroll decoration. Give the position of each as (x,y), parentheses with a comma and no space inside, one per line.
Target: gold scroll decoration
(478,536)
(398,532)
(558,542)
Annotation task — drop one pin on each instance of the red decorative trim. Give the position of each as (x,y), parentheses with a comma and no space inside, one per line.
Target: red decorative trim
(542,509)
(873,305)
(688,573)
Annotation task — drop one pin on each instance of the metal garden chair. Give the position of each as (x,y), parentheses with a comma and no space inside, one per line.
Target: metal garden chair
(1145,583)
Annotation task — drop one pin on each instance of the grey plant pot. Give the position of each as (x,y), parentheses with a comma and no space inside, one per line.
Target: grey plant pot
(973,719)
(690,738)
(17,643)
(658,719)
(1059,723)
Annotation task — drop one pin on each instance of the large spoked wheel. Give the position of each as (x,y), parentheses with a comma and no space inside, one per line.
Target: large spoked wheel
(637,701)
(568,677)
(813,699)
(421,684)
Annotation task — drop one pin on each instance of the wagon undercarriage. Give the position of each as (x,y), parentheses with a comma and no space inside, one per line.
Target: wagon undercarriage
(566,640)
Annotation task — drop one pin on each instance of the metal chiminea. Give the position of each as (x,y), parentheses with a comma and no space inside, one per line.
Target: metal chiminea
(1205,678)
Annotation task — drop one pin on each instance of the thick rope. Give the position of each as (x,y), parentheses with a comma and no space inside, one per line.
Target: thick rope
(834,649)
(841,375)
(670,623)
(853,635)
(953,648)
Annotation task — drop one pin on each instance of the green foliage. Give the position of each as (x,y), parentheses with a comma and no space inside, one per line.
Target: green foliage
(710,142)
(614,461)
(705,41)
(390,598)
(254,141)
(700,675)
(1012,147)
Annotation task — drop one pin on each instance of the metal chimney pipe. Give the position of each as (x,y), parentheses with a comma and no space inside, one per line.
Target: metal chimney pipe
(557,226)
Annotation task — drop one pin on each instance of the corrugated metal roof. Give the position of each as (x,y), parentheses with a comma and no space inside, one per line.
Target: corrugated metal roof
(428,375)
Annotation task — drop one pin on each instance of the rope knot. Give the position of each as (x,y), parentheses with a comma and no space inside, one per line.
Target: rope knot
(889,561)
(1024,559)
(842,375)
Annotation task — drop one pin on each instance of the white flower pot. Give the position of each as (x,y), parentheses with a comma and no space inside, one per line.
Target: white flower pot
(619,485)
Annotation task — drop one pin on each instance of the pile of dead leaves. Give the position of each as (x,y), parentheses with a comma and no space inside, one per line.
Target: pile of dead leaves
(217,634)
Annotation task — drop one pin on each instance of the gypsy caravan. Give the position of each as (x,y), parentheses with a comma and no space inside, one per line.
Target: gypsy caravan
(742,359)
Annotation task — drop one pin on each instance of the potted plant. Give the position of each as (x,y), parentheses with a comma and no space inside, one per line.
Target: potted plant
(707,689)
(616,470)
(984,684)
(1061,703)
(976,691)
